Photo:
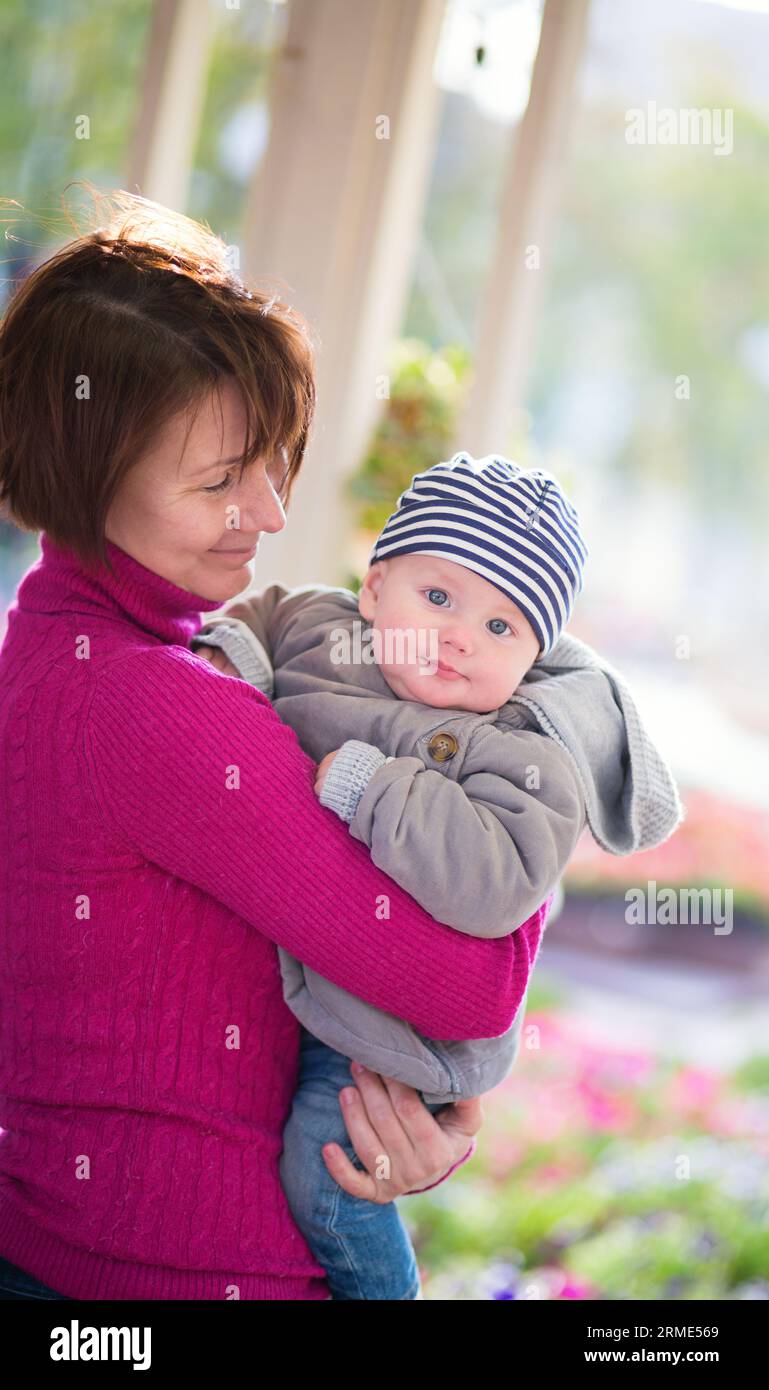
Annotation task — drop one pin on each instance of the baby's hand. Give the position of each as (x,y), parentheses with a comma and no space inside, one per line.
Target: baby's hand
(218,659)
(322,769)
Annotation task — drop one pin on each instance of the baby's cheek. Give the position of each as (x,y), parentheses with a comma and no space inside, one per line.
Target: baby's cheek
(409,683)
(495,688)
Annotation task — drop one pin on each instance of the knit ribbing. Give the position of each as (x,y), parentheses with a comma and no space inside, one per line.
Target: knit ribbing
(160,836)
(349,775)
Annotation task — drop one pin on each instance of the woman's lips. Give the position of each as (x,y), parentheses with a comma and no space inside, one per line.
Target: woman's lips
(246,553)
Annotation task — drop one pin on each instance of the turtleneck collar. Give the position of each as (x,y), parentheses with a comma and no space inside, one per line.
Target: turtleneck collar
(59,582)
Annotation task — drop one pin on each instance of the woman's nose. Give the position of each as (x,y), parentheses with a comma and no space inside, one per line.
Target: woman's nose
(261,508)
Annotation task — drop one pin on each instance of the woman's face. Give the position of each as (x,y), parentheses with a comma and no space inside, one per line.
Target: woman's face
(181,510)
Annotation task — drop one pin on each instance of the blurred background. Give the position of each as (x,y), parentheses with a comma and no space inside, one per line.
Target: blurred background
(453,194)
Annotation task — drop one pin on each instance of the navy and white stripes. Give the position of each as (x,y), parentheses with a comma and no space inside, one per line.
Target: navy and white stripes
(515,527)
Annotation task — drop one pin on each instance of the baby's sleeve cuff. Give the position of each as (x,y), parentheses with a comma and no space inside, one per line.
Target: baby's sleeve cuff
(349,775)
(245,651)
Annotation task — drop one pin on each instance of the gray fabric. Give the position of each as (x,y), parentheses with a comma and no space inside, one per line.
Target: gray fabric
(479,840)
(244,650)
(348,776)
(631,798)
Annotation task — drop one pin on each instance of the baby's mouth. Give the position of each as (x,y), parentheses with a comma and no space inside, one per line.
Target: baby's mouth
(442,669)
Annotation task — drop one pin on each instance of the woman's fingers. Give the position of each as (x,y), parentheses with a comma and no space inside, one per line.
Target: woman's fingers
(377,1136)
(408,1129)
(401,1144)
(395,1137)
(384,1125)
(464,1117)
(367,1146)
(351,1179)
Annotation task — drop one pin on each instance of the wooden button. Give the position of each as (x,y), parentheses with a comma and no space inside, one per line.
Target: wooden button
(442,746)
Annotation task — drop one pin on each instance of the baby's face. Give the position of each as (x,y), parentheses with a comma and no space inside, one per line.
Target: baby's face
(479,640)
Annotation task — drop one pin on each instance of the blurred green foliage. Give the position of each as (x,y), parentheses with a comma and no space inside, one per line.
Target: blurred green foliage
(603,1174)
(62,60)
(416,429)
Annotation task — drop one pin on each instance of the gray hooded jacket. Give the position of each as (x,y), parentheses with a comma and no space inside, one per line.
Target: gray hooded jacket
(475,815)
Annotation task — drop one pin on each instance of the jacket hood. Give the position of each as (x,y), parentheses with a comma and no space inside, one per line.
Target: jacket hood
(583,703)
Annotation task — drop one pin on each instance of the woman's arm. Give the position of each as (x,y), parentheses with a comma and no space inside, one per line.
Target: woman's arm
(199,774)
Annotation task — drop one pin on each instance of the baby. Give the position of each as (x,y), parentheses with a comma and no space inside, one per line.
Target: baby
(467,742)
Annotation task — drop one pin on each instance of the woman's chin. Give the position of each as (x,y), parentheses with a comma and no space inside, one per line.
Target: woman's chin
(226,583)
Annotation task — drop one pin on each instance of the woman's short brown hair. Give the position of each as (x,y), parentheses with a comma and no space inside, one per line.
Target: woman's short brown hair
(107,339)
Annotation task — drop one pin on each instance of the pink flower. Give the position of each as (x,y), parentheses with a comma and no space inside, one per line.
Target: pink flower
(574,1289)
(693,1089)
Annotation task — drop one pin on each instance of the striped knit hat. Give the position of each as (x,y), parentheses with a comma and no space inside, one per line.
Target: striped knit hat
(513,526)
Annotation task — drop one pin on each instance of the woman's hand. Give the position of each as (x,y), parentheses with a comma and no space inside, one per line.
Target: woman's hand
(322,769)
(400,1143)
(218,659)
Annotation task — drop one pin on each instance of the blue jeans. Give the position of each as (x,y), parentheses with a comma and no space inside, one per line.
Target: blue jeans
(363,1246)
(15,1283)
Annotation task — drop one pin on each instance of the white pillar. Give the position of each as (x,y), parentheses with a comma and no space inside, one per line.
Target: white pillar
(333,222)
(526,220)
(170,102)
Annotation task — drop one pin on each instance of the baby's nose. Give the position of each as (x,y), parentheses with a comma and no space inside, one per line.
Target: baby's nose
(457,639)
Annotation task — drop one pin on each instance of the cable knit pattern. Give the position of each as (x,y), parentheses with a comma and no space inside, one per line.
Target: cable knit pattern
(160,837)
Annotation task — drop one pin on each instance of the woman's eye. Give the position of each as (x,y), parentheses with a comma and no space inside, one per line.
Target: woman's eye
(498,625)
(220,487)
(437,596)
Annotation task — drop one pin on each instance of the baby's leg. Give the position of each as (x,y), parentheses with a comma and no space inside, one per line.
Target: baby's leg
(364,1247)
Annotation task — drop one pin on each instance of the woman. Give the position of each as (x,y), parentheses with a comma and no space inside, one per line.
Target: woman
(160,832)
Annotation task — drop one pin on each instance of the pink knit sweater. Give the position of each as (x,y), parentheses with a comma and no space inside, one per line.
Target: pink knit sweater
(159,834)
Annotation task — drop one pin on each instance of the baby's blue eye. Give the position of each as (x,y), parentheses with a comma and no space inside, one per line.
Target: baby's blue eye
(438,601)
(502,625)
